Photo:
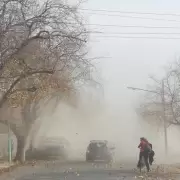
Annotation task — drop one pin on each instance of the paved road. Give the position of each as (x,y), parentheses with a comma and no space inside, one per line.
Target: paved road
(75,171)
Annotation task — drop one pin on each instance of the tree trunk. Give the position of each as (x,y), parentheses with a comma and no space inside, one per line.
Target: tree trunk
(20,153)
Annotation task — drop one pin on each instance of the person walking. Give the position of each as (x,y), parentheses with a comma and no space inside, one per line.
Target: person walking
(144,152)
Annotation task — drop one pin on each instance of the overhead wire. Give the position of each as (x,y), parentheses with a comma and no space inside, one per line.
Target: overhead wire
(108,34)
(115,34)
(139,37)
(130,26)
(130,12)
(150,33)
(136,17)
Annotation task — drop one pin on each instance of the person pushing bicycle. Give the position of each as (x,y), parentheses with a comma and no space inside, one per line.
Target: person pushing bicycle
(145,149)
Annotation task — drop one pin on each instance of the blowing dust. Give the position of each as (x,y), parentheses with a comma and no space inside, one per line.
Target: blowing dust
(96,121)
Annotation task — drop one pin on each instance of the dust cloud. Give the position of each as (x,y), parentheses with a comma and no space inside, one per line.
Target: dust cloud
(96,120)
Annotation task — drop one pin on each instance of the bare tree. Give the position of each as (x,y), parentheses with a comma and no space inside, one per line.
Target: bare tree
(42,52)
(152,108)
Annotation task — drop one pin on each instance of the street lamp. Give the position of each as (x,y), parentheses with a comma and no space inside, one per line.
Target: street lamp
(139,89)
(163,110)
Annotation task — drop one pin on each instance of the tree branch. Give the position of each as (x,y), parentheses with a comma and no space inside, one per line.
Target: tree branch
(23,76)
(12,126)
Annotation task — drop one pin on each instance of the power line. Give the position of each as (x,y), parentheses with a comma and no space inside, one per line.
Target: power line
(136,17)
(130,12)
(133,26)
(153,33)
(136,37)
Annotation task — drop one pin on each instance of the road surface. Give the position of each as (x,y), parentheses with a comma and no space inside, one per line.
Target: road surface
(77,171)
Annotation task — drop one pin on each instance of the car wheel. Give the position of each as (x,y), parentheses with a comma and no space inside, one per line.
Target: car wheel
(88,158)
(109,159)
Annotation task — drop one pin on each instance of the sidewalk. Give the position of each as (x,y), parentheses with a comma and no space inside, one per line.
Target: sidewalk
(166,169)
(6,166)
(173,168)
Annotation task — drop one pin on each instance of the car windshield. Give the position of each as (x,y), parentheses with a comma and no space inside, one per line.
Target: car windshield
(96,146)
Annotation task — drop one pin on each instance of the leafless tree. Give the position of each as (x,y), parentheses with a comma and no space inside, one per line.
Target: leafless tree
(152,108)
(42,52)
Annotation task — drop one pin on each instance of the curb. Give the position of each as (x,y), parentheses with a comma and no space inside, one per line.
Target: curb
(8,169)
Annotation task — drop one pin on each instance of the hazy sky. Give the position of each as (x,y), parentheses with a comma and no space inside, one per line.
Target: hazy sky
(132,60)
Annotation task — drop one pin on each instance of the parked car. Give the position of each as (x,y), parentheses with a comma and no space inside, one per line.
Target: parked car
(56,147)
(50,148)
(99,150)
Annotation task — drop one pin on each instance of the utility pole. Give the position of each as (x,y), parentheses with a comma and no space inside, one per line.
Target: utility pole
(164,119)
(163,104)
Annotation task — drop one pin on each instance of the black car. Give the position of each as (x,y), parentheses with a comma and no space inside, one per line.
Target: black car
(99,151)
